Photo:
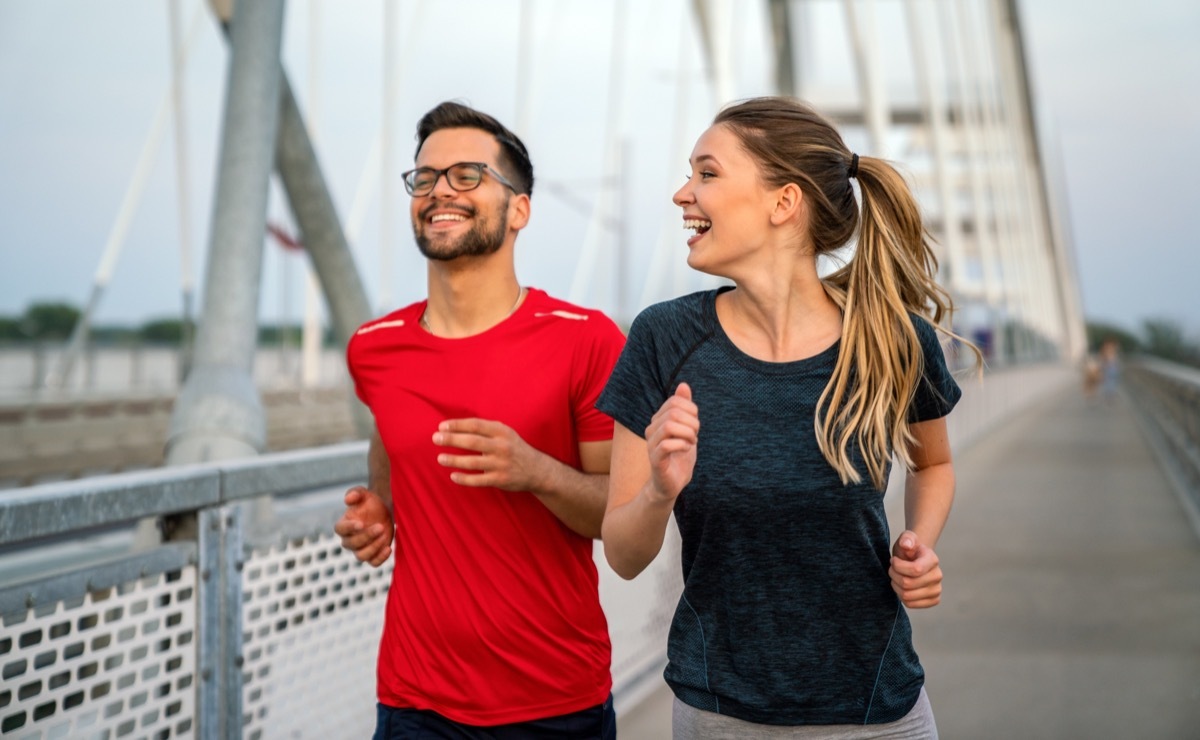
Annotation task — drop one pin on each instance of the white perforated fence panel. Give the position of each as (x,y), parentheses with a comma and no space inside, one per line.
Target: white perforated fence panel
(313,617)
(312,620)
(119,662)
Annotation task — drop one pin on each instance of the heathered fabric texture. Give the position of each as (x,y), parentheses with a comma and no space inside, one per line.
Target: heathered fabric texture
(787,615)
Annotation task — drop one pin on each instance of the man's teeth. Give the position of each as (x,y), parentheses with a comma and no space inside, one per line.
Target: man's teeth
(446,217)
(696,224)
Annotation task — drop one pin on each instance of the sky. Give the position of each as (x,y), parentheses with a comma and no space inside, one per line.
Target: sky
(1117,90)
(1119,85)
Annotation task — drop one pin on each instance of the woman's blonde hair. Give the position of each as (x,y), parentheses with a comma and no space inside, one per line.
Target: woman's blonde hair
(891,275)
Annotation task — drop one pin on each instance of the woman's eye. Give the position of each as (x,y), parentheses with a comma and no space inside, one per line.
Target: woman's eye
(705,174)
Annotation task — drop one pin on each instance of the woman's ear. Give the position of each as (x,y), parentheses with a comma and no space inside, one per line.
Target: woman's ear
(788,202)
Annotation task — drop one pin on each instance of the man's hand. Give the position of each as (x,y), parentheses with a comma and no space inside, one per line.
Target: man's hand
(915,572)
(366,528)
(503,459)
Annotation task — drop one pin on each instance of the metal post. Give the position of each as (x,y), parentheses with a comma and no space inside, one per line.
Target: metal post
(984,239)
(781,35)
(934,102)
(870,74)
(182,188)
(1012,247)
(312,207)
(320,229)
(664,264)
(1033,184)
(585,269)
(310,368)
(219,596)
(621,312)
(525,44)
(219,414)
(387,160)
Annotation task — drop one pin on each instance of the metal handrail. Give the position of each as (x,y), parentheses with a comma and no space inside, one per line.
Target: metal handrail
(54,509)
(1167,401)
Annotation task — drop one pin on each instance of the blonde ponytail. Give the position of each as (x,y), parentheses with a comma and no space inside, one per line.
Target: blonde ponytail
(891,275)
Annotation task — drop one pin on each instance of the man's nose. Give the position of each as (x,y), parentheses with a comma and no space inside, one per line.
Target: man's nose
(441,187)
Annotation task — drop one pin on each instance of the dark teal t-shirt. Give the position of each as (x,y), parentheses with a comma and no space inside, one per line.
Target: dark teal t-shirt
(787,615)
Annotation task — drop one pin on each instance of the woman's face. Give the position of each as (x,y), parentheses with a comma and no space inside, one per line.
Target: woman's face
(724,203)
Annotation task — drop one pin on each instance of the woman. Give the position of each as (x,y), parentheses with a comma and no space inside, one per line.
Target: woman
(765,416)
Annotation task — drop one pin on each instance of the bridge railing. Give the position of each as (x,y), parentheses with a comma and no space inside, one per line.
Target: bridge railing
(254,623)
(1166,398)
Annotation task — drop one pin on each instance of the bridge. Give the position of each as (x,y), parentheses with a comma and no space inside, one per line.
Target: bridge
(203,594)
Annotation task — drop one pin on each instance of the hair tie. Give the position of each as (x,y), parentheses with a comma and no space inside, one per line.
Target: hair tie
(853,171)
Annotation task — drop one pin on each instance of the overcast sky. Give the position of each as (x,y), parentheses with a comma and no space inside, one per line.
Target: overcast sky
(1118,88)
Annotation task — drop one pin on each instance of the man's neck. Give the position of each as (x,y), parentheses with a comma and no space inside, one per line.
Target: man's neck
(467,299)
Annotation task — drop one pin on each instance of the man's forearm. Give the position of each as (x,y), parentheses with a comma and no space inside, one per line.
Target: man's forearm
(577,498)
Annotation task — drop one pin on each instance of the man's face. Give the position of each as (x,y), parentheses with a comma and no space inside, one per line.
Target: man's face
(449,224)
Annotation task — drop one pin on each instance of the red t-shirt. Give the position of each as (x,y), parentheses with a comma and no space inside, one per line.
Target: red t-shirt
(493,615)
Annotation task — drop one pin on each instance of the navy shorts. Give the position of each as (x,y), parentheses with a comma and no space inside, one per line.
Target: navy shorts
(596,723)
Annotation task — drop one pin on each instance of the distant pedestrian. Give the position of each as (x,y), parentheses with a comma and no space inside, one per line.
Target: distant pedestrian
(765,416)
(1091,376)
(1110,369)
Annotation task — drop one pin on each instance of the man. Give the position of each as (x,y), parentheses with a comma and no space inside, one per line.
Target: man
(489,465)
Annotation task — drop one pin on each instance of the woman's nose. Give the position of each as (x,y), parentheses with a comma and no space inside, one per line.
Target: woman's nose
(683,195)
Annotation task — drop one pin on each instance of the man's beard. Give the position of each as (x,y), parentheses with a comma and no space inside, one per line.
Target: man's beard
(479,241)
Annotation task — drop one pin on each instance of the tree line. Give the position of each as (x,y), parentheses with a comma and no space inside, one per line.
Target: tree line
(1159,337)
(53,321)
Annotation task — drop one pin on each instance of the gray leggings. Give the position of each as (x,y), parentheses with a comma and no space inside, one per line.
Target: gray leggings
(689,723)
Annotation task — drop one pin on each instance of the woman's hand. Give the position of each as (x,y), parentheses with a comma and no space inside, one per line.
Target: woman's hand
(916,572)
(671,443)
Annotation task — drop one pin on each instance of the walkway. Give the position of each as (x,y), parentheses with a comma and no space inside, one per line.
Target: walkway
(1072,604)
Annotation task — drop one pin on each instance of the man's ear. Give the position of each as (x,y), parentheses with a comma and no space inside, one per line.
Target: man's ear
(789,201)
(518,212)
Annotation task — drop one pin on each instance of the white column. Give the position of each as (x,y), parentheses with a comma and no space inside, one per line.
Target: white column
(934,105)
(310,342)
(860,21)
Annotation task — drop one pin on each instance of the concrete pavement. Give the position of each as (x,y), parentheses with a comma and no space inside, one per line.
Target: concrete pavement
(1072,605)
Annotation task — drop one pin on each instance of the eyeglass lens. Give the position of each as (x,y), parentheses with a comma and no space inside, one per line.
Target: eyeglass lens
(462,176)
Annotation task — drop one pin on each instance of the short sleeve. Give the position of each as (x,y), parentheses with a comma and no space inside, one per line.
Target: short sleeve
(937,392)
(636,388)
(595,355)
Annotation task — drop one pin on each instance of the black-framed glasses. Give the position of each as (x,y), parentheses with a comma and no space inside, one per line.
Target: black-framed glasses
(462,176)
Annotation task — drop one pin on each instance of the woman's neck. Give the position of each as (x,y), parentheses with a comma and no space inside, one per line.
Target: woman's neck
(780,316)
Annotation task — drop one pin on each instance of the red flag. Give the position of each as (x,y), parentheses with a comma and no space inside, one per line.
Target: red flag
(286,240)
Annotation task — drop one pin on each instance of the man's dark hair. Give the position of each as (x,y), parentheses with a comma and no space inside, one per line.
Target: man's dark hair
(514,158)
